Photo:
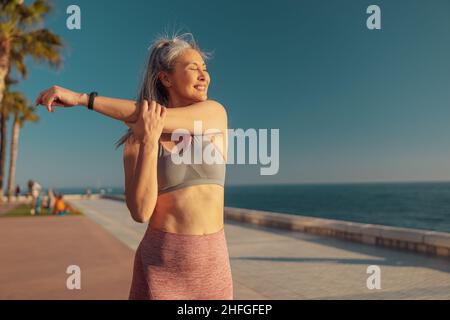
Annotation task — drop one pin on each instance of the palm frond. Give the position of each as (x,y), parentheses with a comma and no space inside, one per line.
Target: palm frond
(42,45)
(17,60)
(33,13)
(28,115)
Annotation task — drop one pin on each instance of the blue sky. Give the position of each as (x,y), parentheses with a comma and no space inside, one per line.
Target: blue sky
(351,104)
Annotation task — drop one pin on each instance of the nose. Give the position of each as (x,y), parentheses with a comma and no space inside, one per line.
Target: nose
(202,76)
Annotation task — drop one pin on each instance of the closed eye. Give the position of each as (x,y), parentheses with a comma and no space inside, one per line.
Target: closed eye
(197,69)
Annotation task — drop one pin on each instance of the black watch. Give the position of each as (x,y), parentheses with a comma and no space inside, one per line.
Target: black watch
(92,96)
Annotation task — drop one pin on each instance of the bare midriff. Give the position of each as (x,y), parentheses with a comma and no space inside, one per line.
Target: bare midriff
(193,210)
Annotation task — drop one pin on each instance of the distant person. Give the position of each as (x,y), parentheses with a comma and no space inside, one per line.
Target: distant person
(17,191)
(35,192)
(88,193)
(60,206)
(38,207)
(30,186)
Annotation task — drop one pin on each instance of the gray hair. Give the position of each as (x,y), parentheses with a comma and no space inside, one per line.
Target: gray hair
(163,53)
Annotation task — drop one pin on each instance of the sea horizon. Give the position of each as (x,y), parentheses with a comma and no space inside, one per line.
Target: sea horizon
(283,184)
(410,204)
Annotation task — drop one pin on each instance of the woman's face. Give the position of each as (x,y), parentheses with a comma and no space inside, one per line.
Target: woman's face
(190,79)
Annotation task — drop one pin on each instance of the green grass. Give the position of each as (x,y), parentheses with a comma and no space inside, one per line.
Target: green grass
(23,210)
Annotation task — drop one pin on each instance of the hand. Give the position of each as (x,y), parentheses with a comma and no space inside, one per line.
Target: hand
(57,96)
(150,122)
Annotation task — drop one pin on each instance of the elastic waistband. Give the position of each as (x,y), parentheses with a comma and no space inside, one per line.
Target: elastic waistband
(169,240)
(180,235)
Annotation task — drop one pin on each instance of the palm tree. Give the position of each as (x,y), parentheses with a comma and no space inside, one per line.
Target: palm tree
(16,102)
(18,39)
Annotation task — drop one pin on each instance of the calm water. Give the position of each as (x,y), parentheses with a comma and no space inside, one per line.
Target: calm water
(411,205)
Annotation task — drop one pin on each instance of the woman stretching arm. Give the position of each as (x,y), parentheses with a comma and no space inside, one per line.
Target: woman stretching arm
(211,113)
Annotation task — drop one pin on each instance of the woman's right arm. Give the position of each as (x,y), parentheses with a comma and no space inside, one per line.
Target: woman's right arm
(210,113)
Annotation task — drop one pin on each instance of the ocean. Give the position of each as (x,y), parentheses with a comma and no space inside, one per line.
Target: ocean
(412,205)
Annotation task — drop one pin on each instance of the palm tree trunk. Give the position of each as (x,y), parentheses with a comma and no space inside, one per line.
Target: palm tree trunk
(12,161)
(3,132)
(5,49)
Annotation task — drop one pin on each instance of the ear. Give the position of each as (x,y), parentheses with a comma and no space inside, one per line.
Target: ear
(164,78)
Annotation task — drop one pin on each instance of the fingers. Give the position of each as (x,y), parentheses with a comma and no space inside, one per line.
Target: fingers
(156,108)
(49,103)
(163,112)
(151,105)
(144,107)
(38,99)
(41,97)
(47,98)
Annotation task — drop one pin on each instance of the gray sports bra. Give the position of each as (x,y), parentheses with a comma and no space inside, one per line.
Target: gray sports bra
(173,176)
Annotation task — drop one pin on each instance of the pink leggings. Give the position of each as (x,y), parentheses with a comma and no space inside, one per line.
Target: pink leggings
(172,266)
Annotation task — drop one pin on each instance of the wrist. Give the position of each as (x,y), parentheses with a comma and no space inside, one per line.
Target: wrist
(83,99)
(150,141)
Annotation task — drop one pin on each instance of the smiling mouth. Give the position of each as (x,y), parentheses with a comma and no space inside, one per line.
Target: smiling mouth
(200,88)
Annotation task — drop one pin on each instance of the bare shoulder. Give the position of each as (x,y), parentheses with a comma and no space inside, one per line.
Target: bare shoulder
(213,106)
(218,111)
(214,103)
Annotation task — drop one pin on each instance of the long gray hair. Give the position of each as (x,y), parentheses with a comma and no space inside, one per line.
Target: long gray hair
(163,53)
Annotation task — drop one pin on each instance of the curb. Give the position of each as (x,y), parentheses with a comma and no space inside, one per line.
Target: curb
(420,241)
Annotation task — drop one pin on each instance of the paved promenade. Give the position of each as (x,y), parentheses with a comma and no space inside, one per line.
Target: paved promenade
(271,263)
(36,251)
